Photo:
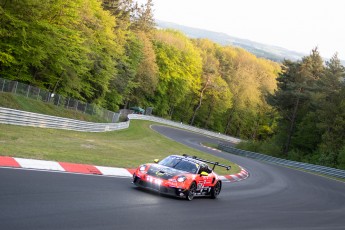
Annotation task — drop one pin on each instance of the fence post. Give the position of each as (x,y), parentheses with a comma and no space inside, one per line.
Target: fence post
(3,85)
(15,88)
(27,93)
(38,94)
(58,101)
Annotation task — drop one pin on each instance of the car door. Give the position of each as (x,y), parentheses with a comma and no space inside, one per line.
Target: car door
(204,181)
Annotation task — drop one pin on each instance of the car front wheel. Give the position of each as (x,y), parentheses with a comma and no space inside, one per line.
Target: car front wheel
(191,192)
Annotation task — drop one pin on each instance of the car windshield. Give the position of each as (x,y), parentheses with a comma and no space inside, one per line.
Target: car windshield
(180,164)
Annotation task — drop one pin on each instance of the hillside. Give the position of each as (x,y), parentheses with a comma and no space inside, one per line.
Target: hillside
(270,52)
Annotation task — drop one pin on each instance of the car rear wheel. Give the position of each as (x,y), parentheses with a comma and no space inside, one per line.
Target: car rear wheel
(191,192)
(215,191)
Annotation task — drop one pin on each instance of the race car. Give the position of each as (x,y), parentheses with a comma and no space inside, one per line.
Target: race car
(181,176)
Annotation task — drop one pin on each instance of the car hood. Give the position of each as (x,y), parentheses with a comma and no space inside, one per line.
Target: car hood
(164,172)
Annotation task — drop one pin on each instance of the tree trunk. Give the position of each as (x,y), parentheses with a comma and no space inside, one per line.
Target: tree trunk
(208,117)
(292,125)
(199,104)
(229,121)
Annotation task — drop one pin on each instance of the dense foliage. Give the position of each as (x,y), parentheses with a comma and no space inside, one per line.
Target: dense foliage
(310,101)
(110,53)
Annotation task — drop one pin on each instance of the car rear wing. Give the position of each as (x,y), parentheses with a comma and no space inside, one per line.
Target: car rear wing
(228,167)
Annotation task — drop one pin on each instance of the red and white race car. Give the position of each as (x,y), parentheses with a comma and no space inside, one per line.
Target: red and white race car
(182,176)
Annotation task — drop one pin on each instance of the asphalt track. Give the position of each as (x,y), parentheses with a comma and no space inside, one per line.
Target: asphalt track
(273,197)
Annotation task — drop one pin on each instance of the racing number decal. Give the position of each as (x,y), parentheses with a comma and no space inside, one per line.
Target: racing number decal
(207,181)
(203,183)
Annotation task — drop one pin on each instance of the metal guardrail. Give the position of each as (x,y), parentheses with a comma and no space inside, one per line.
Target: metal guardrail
(18,117)
(23,118)
(337,173)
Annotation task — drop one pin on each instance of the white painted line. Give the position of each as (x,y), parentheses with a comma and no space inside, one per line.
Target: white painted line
(39,164)
(109,171)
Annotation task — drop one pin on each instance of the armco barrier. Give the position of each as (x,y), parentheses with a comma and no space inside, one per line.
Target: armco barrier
(337,173)
(17,117)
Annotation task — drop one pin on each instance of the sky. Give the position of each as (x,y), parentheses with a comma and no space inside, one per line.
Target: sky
(298,25)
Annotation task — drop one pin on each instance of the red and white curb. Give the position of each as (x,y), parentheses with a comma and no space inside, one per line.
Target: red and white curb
(244,174)
(15,162)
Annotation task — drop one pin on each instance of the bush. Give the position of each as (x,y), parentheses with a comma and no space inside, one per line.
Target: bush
(253,146)
(271,148)
(268,147)
(327,158)
(341,158)
(295,155)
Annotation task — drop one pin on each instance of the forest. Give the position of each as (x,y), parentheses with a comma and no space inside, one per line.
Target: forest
(110,53)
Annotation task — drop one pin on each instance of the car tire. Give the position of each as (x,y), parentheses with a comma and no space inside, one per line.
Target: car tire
(135,179)
(215,190)
(191,192)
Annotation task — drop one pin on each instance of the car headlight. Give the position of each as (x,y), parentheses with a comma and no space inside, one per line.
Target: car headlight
(181,179)
(142,168)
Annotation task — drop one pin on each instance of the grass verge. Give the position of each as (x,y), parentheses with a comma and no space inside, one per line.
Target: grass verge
(125,148)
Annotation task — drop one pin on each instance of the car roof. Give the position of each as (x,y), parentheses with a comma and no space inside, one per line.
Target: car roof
(190,159)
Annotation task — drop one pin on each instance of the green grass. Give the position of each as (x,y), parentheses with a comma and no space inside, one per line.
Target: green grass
(12,101)
(125,148)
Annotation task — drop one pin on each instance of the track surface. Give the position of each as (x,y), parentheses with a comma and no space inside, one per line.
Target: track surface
(273,197)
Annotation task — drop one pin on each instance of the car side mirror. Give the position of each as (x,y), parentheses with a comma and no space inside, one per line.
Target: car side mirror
(204,174)
(156,160)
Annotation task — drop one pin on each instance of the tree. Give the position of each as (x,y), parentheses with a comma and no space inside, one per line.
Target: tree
(210,71)
(295,96)
(179,65)
(54,45)
(330,112)
(143,18)
(147,73)
(250,80)
(218,100)
(123,86)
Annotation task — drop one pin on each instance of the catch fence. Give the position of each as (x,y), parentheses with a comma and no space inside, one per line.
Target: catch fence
(39,94)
